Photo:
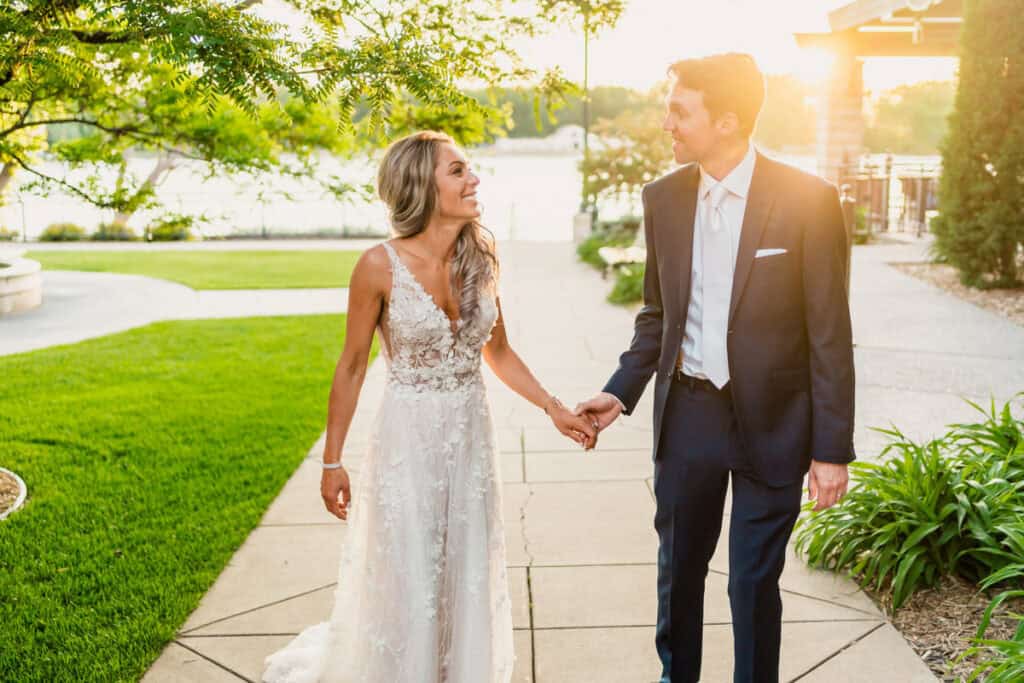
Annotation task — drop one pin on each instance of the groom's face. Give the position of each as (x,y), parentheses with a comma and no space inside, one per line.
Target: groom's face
(689,122)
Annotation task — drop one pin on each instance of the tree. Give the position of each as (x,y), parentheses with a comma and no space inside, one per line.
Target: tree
(787,121)
(911,119)
(92,62)
(155,114)
(606,102)
(594,15)
(634,151)
(980,228)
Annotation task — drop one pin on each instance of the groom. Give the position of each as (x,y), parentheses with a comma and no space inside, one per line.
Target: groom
(746,326)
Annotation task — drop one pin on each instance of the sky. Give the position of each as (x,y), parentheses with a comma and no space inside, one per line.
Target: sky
(651,34)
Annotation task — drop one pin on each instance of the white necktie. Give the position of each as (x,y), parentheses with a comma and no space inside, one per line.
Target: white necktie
(717,265)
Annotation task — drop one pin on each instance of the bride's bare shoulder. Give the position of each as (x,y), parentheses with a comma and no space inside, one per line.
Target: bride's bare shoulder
(373,269)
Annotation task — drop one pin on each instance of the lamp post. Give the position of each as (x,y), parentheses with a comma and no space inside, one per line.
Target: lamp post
(584,203)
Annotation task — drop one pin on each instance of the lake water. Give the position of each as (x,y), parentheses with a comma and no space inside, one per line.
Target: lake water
(526,196)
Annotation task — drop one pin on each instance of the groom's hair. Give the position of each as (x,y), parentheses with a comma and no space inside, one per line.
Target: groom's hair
(730,82)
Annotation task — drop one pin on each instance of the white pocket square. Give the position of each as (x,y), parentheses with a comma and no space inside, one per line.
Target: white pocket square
(768,252)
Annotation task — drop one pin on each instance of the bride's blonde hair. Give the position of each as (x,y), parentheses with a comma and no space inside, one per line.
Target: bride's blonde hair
(405,182)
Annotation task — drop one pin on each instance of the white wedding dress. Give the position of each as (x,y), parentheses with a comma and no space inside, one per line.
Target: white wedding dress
(422,594)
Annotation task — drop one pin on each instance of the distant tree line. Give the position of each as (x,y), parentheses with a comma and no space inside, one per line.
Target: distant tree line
(907,120)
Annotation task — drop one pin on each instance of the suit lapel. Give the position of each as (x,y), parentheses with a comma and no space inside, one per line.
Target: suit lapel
(760,199)
(683,222)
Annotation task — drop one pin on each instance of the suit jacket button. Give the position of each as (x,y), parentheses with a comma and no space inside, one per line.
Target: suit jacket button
(730,331)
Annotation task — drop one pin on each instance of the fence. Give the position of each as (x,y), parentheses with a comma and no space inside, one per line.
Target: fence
(883,195)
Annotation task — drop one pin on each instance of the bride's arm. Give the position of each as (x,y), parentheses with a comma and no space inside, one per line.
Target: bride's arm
(370,281)
(511,370)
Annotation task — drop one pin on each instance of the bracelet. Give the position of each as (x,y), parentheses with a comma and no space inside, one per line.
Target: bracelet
(556,402)
(331,465)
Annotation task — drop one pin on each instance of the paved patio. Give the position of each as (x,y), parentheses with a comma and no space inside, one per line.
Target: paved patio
(579,526)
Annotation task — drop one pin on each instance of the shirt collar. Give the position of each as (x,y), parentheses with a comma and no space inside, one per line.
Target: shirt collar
(738,180)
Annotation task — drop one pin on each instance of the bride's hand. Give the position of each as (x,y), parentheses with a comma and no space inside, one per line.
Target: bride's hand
(334,483)
(576,427)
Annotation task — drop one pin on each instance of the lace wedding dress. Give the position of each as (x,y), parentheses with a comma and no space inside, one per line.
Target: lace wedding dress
(422,594)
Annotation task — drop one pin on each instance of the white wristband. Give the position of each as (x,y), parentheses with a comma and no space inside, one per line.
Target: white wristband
(331,465)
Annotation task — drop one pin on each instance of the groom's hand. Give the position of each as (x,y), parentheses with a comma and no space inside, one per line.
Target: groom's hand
(826,483)
(603,409)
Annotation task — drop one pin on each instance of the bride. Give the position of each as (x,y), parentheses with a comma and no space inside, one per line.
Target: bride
(422,594)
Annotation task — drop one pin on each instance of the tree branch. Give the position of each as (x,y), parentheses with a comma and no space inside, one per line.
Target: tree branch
(113,130)
(21,119)
(100,37)
(62,183)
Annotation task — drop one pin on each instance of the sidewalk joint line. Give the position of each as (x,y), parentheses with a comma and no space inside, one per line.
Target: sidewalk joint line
(830,602)
(838,652)
(213,661)
(533,641)
(238,635)
(259,607)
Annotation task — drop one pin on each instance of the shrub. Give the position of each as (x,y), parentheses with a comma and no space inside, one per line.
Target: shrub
(111,232)
(62,232)
(170,229)
(629,285)
(861,229)
(953,505)
(618,234)
(8,235)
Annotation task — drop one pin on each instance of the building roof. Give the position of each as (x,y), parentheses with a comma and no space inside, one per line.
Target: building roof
(892,28)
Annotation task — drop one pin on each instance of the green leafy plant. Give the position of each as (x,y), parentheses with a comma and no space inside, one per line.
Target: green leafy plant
(62,232)
(170,229)
(614,234)
(952,505)
(111,232)
(629,285)
(1002,660)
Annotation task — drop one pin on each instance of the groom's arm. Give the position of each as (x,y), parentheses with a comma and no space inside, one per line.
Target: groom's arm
(638,363)
(827,320)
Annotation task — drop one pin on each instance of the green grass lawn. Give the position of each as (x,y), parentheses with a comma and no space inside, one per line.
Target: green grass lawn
(215,269)
(149,457)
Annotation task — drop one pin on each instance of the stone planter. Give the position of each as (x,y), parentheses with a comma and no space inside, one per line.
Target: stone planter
(10,502)
(21,285)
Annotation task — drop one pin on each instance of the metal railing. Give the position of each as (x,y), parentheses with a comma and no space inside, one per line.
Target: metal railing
(881,195)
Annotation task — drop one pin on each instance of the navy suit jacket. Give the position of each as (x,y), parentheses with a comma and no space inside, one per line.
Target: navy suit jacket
(789,336)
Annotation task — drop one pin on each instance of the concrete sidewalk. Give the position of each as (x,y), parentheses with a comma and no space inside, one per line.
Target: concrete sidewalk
(78,306)
(82,305)
(581,545)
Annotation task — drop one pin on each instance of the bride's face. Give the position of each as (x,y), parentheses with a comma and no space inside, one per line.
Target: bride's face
(456,185)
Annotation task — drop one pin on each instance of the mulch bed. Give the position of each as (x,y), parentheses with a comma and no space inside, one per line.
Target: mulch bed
(940,622)
(1008,303)
(9,491)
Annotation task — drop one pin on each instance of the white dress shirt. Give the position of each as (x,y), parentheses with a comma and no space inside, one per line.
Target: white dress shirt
(733,207)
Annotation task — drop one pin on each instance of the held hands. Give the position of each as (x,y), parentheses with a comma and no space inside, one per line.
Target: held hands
(600,411)
(334,483)
(826,483)
(577,427)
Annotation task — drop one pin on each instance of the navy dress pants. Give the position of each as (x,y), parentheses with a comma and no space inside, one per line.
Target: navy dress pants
(700,453)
